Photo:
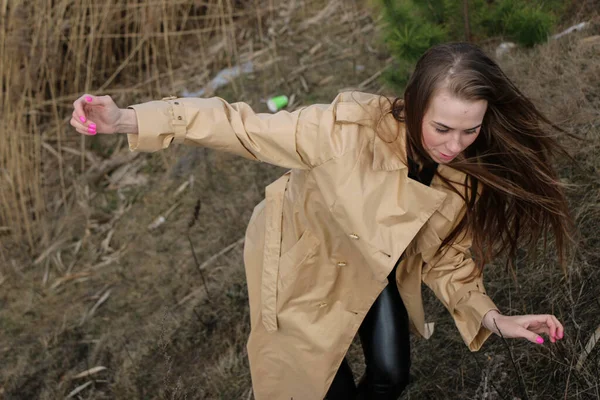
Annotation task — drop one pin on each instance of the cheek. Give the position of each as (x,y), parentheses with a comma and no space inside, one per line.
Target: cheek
(431,138)
(470,139)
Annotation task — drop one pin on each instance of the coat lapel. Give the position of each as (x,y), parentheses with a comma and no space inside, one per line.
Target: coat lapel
(413,201)
(403,205)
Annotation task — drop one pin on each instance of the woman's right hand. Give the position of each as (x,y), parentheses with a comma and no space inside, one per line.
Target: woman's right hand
(97,114)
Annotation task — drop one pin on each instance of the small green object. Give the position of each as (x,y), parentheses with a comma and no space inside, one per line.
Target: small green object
(277,103)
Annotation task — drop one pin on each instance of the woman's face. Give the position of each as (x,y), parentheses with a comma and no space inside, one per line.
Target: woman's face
(450,125)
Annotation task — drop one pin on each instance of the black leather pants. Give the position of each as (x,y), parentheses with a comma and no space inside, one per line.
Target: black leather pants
(384,335)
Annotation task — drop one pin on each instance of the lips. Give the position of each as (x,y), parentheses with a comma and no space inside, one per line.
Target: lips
(447,157)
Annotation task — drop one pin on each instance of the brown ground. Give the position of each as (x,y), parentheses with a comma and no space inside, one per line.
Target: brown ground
(112,293)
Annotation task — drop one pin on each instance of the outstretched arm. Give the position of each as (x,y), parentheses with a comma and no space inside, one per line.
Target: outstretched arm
(300,139)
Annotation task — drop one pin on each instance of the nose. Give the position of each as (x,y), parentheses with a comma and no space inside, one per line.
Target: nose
(454,145)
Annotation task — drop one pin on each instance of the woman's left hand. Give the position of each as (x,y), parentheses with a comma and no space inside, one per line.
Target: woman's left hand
(524,326)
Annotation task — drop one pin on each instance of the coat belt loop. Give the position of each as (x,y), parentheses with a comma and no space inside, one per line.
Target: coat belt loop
(274,194)
(179,121)
(460,293)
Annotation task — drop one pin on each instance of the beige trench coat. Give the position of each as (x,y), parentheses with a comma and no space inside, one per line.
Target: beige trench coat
(319,248)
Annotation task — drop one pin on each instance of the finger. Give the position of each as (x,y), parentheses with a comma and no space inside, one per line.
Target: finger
(540,329)
(529,335)
(79,104)
(560,330)
(77,122)
(551,323)
(88,127)
(78,127)
(553,328)
(81,128)
(540,323)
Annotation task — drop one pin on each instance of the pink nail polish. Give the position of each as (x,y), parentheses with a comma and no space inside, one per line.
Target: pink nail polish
(92,131)
(88,99)
(539,340)
(82,119)
(93,126)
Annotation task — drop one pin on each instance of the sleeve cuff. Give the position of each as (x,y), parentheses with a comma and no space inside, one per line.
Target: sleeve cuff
(155,130)
(468,316)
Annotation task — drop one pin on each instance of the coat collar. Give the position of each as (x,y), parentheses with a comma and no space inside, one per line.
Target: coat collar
(384,158)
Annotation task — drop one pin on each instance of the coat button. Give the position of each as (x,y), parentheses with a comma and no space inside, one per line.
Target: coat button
(342,264)
(354,236)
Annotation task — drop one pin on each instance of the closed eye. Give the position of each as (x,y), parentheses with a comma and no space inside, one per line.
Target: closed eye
(441,128)
(446,131)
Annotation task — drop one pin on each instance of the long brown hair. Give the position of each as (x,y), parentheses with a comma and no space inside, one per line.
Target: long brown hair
(510,163)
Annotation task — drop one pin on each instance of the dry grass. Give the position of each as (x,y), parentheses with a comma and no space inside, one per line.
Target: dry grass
(52,51)
(104,290)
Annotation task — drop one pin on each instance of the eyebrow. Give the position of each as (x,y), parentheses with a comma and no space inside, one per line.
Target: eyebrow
(447,127)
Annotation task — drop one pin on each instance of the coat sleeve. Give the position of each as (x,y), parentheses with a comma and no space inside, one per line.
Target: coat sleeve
(467,302)
(300,139)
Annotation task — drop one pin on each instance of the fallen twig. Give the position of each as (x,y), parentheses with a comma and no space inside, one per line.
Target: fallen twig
(93,175)
(376,75)
(512,360)
(79,389)
(49,250)
(220,253)
(198,265)
(593,340)
(69,277)
(206,264)
(89,372)
(101,301)
(487,375)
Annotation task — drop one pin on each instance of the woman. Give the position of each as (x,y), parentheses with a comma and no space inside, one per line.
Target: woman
(382,195)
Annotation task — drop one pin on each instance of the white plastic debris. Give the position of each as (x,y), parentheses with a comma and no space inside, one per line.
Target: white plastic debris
(222,78)
(572,29)
(157,222)
(161,219)
(504,48)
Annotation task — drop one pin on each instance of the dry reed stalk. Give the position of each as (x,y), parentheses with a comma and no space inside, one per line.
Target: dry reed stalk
(89,372)
(591,343)
(52,51)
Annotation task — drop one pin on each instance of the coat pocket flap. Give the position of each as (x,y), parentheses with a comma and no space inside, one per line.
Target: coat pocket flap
(295,257)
